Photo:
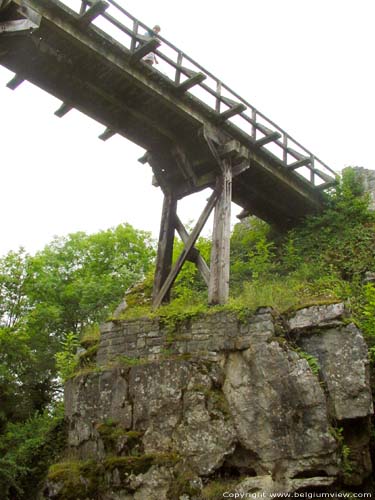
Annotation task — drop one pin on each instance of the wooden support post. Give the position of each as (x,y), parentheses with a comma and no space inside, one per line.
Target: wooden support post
(165,245)
(164,290)
(218,290)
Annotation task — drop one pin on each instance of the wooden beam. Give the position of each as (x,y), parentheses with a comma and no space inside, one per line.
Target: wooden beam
(267,139)
(326,185)
(95,9)
(165,246)
(15,82)
(241,167)
(196,258)
(299,163)
(324,176)
(63,110)
(158,299)
(107,134)
(218,290)
(195,79)
(144,49)
(145,158)
(234,110)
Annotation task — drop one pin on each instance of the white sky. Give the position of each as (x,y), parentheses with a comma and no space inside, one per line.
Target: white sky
(306,64)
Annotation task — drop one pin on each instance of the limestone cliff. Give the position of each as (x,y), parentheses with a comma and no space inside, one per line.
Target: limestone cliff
(219,403)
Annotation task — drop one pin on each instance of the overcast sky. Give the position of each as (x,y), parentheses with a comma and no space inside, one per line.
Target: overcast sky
(307,65)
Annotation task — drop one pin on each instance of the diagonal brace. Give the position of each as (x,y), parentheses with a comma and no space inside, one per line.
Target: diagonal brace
(188,247)
(197,257)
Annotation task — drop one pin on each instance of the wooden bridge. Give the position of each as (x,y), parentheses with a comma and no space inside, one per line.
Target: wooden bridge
(196,131)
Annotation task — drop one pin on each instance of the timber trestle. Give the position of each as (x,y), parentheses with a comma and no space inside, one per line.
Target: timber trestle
(197,133)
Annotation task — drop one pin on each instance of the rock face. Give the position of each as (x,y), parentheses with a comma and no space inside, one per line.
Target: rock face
(176,413)
(367,178)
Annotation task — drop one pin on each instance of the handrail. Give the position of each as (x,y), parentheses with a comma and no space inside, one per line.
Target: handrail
(278,137)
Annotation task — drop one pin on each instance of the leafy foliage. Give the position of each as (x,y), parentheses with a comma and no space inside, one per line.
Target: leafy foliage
(26,449)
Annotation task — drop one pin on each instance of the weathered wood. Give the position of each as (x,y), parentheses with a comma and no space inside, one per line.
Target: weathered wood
(218,290)
(63,110)
(234,110)
(267,139)
(158,299)
(190,82)
(184,165)
(299,163)
(144,49)
(107,134)
(15,82)
(96,9)
(165,246)
(145,158)
(196,257)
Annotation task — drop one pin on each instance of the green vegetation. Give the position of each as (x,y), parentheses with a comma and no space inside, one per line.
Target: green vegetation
(51,303)
(215,489)
(312,361)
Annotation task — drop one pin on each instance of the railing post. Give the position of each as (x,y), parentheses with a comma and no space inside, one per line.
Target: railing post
(83,7)
(218,97)
(134,37)
(177,79)
(253,128)
(285,148)
(312,173)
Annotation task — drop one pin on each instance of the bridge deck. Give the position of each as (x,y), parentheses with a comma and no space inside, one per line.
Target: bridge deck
(68,56)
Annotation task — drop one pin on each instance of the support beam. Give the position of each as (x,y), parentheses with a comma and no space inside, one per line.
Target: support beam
(15,82)
(303,162)
(218,290)
(194,79)
(95,9)
(267,139)
(107,134)
(197,258)
(144,49)
(158,299)
(234,110)
(63,110)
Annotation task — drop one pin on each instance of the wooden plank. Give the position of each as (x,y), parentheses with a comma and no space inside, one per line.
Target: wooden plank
(218,290)
(165,246)
(96,9)
(15,82)
(267,139)
(323,175)
(107,134)
(144,49)
(185,252)
(234,110)
(326,185)
(197,258)
(190,82)
(145,158)
(63,110)
(299,163)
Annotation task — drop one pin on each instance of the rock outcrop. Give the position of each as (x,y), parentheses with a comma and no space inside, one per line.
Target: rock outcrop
(214,404)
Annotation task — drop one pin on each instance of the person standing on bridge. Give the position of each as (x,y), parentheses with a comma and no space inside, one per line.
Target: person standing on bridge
(151,57)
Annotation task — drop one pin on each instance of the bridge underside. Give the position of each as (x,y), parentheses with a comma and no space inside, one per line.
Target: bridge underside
(188,144)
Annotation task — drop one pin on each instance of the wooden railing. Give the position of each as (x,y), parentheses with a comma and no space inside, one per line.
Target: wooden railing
(189,76)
